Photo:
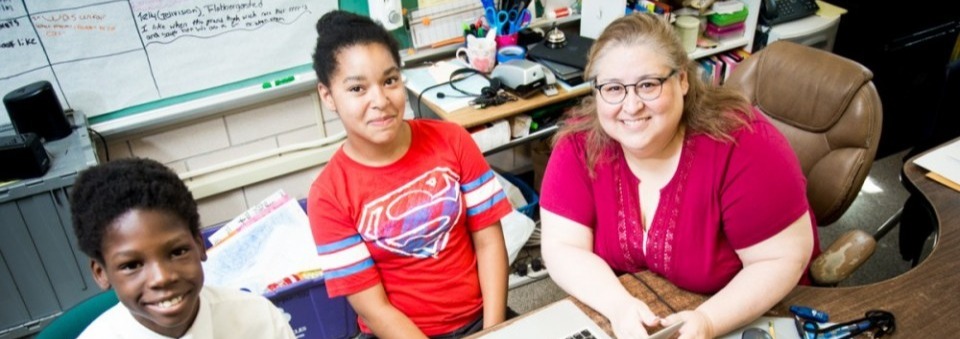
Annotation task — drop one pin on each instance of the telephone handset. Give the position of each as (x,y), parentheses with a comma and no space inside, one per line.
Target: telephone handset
(773,12)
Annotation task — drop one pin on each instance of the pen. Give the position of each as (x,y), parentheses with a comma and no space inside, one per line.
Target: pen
(810,313)
(278,82)
(773,332)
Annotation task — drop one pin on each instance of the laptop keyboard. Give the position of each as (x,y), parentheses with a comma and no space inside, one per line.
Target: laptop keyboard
(583,334)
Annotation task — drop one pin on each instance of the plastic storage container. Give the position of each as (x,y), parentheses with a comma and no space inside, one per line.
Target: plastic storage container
(728,19)
(724,32)
(313,314)
(528,193)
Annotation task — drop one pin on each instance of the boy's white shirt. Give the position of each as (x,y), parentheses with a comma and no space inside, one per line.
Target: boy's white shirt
(224,313)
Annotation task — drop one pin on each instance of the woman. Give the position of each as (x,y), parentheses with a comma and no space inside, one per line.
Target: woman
(406,215)
(657,171)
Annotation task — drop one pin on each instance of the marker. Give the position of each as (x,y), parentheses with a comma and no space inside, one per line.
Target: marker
(278,82)
(810,313)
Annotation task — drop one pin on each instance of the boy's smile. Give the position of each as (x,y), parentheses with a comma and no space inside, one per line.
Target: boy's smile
(153,263)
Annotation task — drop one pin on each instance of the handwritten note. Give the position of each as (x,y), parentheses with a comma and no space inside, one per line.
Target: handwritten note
(103,56)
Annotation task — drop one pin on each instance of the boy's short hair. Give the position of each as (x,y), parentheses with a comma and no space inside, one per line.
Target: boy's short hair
(105,192)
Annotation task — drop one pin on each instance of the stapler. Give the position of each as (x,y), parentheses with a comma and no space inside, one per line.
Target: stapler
(520,76)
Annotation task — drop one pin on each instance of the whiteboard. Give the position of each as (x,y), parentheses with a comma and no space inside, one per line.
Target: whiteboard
(105,56)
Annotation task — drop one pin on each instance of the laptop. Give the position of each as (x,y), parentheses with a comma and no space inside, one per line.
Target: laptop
(574,53)
(561,320)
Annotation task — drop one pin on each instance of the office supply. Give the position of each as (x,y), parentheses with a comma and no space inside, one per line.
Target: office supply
(105,57)
(23,156)
(430,25)
(809,313)
(573,53)
(570,75)
(510,53)
(944,161)
(522,77)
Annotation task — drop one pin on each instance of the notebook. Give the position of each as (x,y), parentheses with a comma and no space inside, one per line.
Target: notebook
(571,75)
(574,53)
(561,320)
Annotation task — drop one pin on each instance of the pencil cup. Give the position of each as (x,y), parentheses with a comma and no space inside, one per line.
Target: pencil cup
(507,40)
(481,59)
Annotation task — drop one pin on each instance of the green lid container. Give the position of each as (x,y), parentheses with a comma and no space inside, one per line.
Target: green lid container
(728,19)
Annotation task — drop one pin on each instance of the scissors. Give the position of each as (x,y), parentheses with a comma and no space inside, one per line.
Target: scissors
(499,20)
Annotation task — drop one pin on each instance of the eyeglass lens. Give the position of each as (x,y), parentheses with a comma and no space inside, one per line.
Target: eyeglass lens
(649,89)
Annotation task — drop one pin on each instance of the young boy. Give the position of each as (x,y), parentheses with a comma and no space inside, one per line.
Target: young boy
(406,215)
(139,225)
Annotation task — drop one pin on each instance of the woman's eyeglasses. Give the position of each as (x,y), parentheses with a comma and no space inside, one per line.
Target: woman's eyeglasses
(647,89)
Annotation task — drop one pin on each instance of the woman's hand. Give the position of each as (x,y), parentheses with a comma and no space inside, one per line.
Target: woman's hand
(628,320)
(696,325)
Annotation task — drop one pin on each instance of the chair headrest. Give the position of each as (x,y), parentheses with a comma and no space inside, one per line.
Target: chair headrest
(837,82)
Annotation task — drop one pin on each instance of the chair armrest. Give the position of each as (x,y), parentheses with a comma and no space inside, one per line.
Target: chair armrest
(844,256)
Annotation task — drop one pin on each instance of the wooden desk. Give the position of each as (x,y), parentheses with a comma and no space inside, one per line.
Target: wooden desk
(470,117)
(924,300)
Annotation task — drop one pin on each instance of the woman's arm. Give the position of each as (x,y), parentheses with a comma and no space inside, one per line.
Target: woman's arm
(379,314)
(492,268)
(771,269)
(567,247)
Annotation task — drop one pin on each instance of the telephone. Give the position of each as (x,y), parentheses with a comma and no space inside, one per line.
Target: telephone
(773,12)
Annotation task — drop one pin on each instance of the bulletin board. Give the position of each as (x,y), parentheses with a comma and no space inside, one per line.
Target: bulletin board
(116,58)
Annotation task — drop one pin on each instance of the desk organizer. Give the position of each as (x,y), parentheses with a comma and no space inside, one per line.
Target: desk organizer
(313,314)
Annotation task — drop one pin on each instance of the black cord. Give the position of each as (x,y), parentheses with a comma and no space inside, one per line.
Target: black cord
(106,150)
(452,82)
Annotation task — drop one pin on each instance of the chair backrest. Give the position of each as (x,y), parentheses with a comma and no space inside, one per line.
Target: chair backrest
(828,109)
(76,319)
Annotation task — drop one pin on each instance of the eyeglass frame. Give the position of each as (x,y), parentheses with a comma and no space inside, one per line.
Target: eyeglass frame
(661,80)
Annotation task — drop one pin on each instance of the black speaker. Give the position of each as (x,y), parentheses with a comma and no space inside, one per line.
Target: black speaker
(34,108)
(24,157)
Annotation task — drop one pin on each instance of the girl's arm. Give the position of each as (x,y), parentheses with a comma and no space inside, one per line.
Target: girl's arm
(492,269)
(379,314)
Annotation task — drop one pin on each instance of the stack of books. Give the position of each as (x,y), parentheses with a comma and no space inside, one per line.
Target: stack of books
(716,69)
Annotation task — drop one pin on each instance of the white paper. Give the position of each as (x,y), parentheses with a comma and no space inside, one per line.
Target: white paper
(103,56)
(277,244)
(944,161)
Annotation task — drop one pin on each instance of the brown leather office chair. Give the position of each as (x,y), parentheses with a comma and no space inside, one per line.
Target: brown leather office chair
(828,109)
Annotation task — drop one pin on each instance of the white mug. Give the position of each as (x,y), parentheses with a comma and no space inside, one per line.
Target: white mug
(480,59)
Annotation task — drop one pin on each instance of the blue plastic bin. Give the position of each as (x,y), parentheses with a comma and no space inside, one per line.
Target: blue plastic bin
(312,313)
(528,193)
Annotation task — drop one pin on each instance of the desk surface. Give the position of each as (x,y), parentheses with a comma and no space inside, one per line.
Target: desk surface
(924,300)
(470,117)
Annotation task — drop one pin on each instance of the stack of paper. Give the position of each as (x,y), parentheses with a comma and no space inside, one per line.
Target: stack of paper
(943,164)
(268,243)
